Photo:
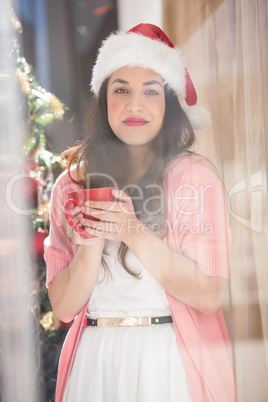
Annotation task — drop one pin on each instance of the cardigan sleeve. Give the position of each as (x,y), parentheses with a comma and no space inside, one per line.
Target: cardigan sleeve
(59,250)
(197,221)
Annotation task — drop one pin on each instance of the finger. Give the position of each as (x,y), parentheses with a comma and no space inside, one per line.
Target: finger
(102,205)
(91,216)
(105,217)
(69,229)
(79,239)
(111,210)
(75,210)
(89,225)
(77,218)
(106,231)
(122,196)
(125,203)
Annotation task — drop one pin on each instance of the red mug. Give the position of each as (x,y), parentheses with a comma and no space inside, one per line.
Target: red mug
(78,198)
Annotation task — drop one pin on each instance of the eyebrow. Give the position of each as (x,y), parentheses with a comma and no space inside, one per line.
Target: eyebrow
(124,82)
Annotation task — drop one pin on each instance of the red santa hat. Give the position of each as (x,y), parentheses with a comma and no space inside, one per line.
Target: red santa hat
(147,46)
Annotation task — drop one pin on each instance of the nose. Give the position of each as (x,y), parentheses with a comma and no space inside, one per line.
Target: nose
(135,103)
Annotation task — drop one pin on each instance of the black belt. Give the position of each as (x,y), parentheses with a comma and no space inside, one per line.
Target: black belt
(128,321)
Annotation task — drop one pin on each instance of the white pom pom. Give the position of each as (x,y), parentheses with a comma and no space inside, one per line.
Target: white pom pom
(198,116)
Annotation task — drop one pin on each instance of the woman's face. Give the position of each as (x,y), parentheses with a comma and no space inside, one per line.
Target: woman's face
(136,104)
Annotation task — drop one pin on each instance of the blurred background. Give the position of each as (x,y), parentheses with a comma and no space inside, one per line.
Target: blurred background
(47,52)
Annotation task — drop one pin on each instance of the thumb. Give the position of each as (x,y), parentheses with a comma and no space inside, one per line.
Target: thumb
(121,195)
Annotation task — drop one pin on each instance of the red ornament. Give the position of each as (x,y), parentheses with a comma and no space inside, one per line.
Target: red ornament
(37,243)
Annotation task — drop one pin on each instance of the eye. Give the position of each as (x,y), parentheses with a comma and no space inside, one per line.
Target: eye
(151,92)
(120,91)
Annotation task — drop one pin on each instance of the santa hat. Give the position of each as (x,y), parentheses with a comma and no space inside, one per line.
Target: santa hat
(147,46)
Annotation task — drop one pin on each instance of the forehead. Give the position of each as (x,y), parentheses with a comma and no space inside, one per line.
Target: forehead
(136,73)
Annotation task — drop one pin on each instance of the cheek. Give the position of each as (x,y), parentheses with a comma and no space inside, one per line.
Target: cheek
(160,110)
(114,106)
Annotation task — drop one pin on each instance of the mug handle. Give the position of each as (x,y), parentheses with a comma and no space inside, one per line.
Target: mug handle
(69,216)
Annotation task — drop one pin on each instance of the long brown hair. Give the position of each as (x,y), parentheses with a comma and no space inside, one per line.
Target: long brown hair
(101,159)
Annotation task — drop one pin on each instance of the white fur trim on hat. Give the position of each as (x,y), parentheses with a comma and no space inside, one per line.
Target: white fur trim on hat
(133,49)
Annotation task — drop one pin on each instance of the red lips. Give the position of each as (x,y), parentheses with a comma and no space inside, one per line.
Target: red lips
(135,121)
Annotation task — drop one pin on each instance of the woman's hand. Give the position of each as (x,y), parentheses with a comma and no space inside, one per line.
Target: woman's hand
(76,237)
(117,218)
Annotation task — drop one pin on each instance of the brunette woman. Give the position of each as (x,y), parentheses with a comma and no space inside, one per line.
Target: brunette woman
(146,294)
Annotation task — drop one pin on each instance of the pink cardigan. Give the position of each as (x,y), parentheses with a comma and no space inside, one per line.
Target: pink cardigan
(196,227)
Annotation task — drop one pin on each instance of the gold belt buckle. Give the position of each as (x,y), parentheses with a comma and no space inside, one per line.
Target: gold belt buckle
(144,321)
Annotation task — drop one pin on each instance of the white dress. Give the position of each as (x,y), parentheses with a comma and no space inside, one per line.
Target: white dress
(127,364)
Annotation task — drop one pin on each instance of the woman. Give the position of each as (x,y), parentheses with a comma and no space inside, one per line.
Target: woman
(162,250)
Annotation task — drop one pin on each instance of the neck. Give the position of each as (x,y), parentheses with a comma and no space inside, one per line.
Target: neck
(140,160)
